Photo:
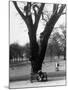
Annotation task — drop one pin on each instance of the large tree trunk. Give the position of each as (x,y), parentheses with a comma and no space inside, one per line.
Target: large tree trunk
(34,51)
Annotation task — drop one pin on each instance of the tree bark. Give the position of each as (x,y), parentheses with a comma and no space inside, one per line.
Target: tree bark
(34,51)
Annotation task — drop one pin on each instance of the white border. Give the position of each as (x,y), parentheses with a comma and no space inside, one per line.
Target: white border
(4,44)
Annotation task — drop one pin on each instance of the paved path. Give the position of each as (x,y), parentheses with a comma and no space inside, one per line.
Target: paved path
(20,76)
(49,74)
(26,84)
(23,72)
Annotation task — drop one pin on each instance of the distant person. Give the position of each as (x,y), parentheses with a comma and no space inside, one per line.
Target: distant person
(57,66)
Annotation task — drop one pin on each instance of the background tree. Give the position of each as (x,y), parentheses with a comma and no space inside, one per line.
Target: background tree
(49,51)
(63,46)
(64,33)
(63,40)
(27,50)
(54,47)
(37,56)
(58,42)
(16,51)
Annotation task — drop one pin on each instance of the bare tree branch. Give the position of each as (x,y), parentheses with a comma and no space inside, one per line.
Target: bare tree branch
(55,8)
(37,18)
(28,8)
(41,8)
(35,11)
(35,6)
(28,19)
(44,18)
(61,9)
(18,9)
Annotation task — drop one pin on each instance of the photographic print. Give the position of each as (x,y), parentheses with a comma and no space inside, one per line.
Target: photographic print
(37,44)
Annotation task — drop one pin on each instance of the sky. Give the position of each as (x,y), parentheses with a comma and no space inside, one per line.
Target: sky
(18,28)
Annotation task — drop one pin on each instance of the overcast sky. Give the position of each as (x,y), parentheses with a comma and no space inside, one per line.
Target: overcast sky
(18,29)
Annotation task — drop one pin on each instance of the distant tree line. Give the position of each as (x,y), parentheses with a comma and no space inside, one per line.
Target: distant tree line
(17,52)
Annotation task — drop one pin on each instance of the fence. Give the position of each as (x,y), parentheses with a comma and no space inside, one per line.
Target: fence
(18,61)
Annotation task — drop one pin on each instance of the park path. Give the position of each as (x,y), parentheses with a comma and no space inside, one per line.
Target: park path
(27,84)
(23,72)
(20,75)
